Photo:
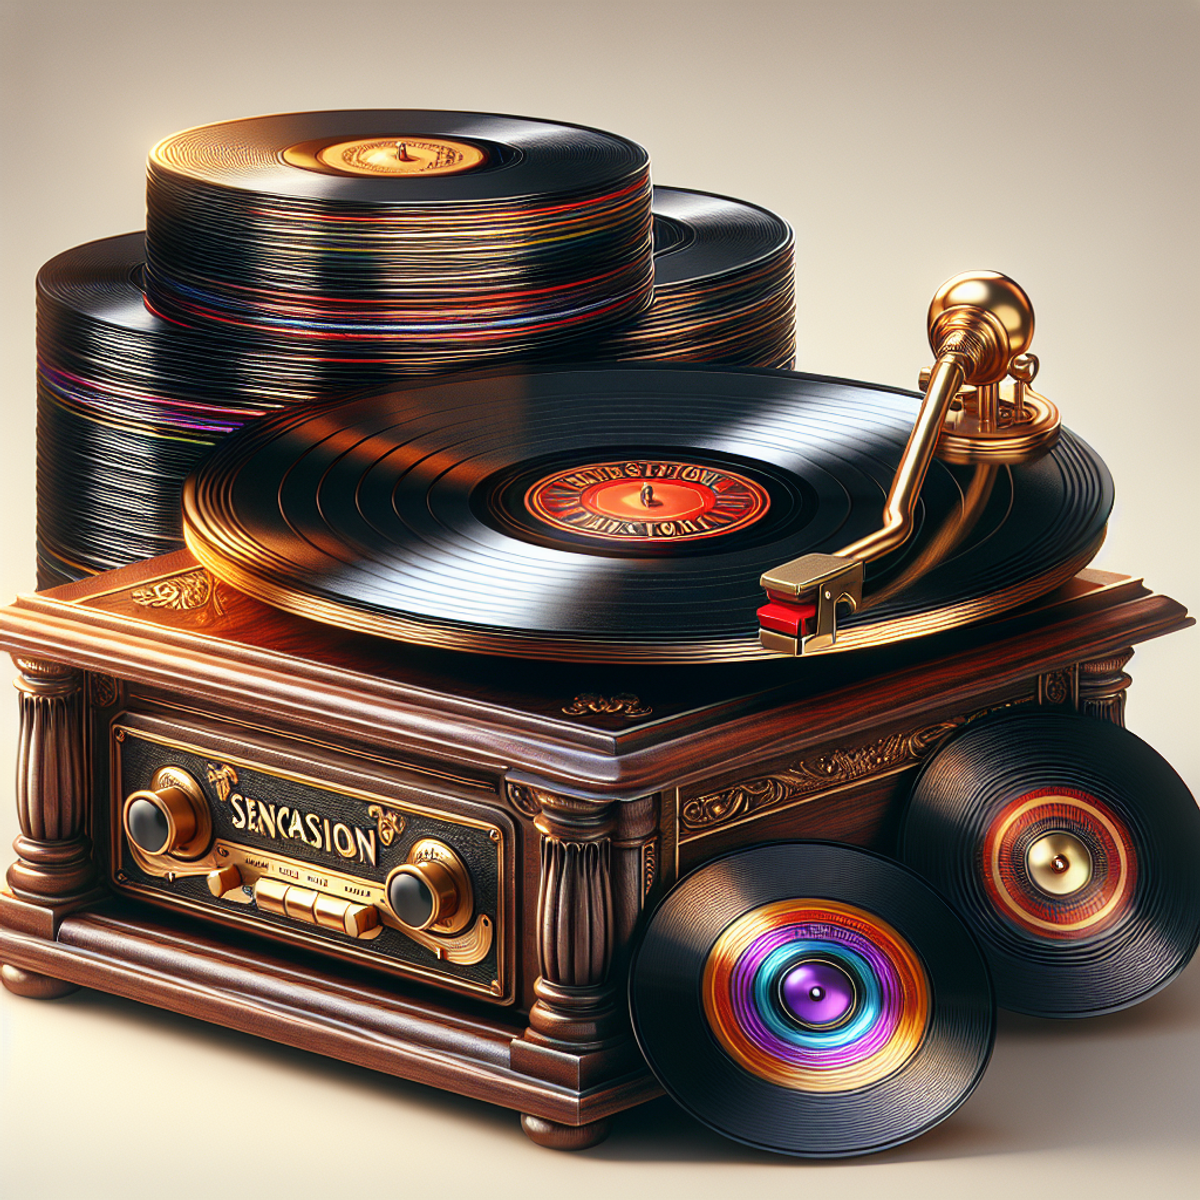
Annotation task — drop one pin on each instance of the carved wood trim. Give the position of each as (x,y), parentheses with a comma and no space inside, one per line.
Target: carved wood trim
(575,1004)
(53,852)
(812,777)
(1103,684)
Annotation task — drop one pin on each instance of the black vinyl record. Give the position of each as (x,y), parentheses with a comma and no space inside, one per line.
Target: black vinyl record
(1070,848)
(811,999)
(429,239)
(478,513)
(724,287)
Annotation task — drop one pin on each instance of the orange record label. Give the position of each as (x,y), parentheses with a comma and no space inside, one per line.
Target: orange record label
(388,156)
(647,500)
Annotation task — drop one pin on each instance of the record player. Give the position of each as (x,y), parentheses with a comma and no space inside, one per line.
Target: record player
(459,696)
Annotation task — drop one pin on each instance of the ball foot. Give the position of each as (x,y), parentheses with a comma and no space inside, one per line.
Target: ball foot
(33,985)
(565,1137)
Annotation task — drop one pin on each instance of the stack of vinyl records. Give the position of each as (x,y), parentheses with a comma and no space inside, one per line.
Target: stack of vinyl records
(724,287)
(305,257)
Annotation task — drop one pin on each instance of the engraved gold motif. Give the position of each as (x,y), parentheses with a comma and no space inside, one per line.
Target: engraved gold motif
(625,703)
(649,867)
(389,822)
(182,593)
(222,778)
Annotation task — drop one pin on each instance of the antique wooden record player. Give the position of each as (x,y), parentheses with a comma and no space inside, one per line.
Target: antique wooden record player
(458,697)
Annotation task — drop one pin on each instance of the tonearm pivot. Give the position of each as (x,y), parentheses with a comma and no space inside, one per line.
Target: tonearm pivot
(978,407)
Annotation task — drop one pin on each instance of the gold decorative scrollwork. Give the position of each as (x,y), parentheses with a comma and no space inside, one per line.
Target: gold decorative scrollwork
(182,593)
(389,822)
(222,778)
(826,772)
(592,702)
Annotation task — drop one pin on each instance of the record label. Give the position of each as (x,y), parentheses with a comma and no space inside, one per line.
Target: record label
(387,156)
(647,500)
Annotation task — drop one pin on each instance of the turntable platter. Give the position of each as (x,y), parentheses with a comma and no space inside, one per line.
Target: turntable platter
(621,513)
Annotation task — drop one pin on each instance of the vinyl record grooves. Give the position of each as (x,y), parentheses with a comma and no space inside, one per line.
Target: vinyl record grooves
(128,404)
(420,238)
(1069,846)
(811,999)
(436,514)
(724,287)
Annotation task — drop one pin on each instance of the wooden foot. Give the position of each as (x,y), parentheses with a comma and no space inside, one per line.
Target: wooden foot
(37,987)
(565,1137)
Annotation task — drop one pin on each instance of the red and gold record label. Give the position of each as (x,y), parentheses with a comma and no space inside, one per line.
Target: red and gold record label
(647,500)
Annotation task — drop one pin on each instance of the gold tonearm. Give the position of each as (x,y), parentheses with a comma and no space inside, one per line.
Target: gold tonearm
(978,407)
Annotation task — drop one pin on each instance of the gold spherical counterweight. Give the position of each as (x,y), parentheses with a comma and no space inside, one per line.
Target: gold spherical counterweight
(990,312)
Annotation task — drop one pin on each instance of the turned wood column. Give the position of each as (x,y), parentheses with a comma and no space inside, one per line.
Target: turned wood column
(53,860)
(1102,686)
(576,1003)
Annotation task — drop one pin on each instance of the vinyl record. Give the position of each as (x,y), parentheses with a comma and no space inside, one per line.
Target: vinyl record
(724,287)
(427,239)
(620,513)
(1070,848)
(811,999)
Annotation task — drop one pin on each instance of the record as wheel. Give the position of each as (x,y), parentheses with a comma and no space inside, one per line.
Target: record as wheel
(621,513)
(811,999)
(1070,848)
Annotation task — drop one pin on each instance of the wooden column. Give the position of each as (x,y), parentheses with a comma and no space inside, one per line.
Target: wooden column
(577,1033)
(54,869)
(1102,686)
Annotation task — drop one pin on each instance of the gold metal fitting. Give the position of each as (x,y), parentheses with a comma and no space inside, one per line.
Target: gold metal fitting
(182,811)
(1059,863)
(444,877)
(223,879)
(985,316)
(995,416)
(980,326)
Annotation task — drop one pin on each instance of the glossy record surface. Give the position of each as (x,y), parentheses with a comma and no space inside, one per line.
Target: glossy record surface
(717,1015)
(394,514)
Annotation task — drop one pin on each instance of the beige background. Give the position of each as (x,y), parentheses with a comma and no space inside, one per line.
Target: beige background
(905,142)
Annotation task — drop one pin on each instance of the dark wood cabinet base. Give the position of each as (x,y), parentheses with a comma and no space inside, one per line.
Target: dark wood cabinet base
(128,952)
(574,818)
(37,987)
(564,1137)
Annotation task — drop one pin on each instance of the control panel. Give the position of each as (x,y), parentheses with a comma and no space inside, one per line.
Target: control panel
(396,878)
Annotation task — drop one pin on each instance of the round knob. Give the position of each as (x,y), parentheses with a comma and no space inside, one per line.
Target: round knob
(169,817)
(432,890)
(989,315)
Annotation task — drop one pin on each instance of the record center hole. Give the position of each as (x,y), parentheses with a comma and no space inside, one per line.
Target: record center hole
(818,994)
